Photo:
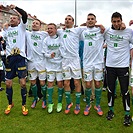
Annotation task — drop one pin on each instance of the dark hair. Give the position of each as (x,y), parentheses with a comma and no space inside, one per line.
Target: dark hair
(116,15)
(38,21)
(71,17)
(52,24)
(91,14)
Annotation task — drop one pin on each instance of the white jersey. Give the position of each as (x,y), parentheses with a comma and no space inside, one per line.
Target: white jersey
(70,39)
(53,44)
(34,42)
(93,46)
(15,39)
(118,47)
(131,46)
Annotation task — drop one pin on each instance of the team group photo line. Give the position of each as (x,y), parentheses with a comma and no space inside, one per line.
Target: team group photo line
(91,56)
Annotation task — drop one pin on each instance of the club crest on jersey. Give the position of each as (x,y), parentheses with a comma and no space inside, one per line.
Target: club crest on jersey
(65,36)
(35,44)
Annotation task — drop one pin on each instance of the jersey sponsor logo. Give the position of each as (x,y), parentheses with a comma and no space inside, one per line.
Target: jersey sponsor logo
(116,37)
(13,34)
(35,37)
(89,36)
(54,46)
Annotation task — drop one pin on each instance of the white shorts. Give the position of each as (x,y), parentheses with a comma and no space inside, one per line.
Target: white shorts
(93,72)
(1,64)
(71,68)
(36,70)
(51,76)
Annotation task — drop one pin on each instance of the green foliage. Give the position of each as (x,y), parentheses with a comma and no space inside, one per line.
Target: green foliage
(39,121)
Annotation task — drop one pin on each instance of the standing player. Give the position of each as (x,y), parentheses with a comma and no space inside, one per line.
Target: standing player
(93,62)
(1,67)
(2,54)
(131,77)
(52,46)
(117,64)
(36,60)
(131,74)
(71,62)
(15,53)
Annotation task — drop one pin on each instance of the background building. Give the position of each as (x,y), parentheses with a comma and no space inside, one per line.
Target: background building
(5,14)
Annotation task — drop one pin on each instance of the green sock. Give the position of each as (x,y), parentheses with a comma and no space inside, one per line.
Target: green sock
(78,94)
(98,93)
(127,112)
(132,100)
(60,94)
(88,94)
(111,108)
(44,89)
(68,97)
(50,94)
(34,91)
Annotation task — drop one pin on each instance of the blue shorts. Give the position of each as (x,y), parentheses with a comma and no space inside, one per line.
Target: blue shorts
(15,66)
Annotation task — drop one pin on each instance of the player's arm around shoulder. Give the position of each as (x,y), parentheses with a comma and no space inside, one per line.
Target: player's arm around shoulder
(101,27)
(45,50)
(44,33)
(80,29)
(60,32)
